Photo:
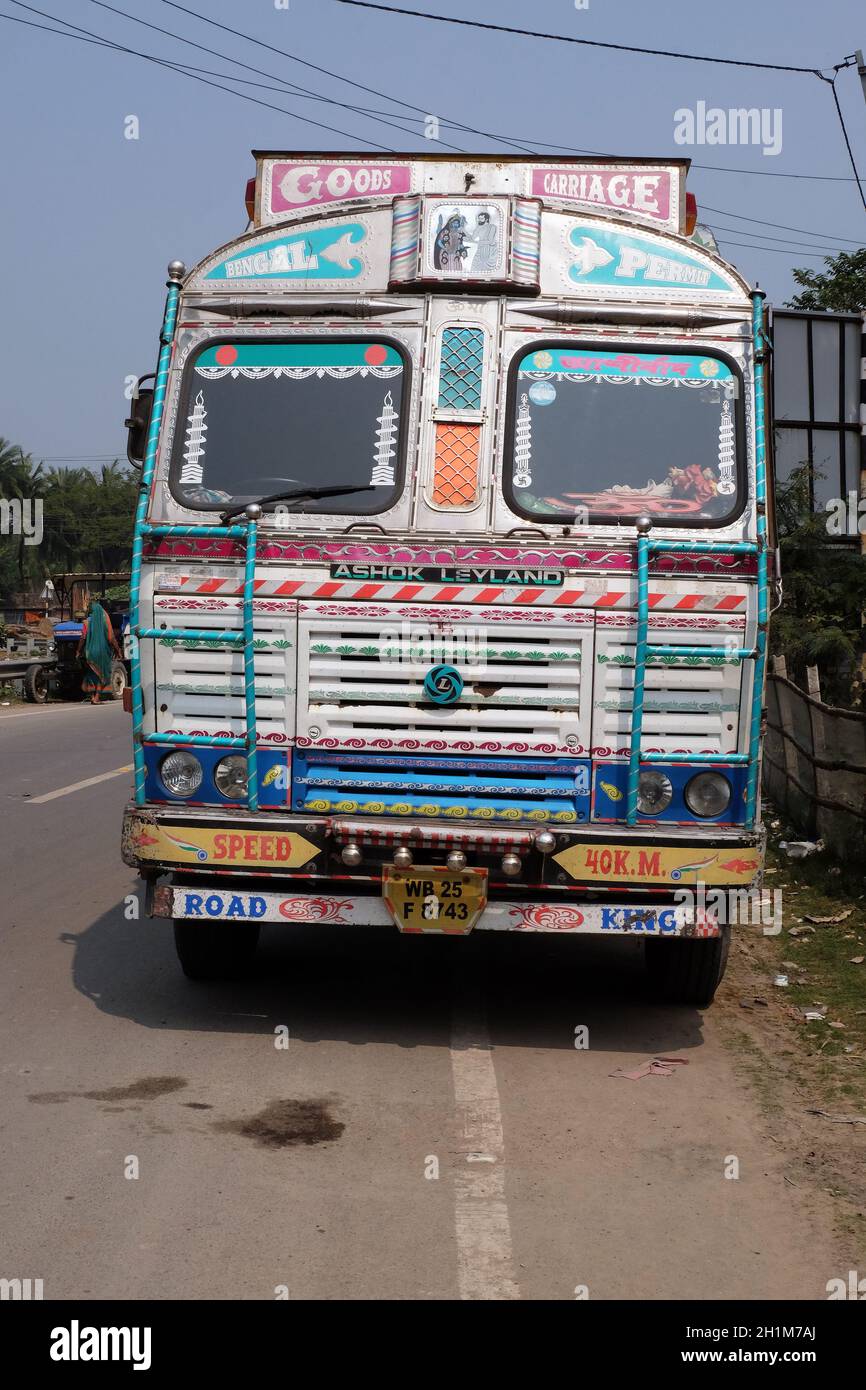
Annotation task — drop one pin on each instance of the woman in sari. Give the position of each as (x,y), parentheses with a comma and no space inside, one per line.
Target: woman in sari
(100,647)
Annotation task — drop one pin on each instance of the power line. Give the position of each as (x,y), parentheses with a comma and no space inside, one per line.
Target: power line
(523,145)
(165,63)
(776,250)
(844,131)
(188,70)
(782,226)
(588,43)
(785,241)
(292,87)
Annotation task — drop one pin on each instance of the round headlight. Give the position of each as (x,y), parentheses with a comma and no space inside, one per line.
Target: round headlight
(231,777)
(708,794)
(181,773)
(654,793)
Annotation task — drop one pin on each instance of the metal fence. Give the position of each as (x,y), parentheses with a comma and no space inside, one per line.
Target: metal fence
(815,766)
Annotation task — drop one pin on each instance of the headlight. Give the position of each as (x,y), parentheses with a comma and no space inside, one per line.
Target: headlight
(708,794)
(654,793)
(231,777)
(181,773)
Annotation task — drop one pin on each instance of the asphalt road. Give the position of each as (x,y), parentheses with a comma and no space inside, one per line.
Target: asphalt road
(431,1131)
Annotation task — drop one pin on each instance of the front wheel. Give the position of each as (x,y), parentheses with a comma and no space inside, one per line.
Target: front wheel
(36,685)
(214,950)
(119,679)
(688,971)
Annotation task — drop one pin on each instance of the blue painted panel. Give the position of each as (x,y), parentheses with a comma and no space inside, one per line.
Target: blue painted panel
(322,253)
(624,260)
(610,785)
(528,791)
(273,767)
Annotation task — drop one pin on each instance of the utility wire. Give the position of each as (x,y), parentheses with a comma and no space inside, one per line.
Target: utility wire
(785,241)
(187,69)
(291,87)
(162,62)
(588,43)
(782,226)
(523,145)
(836,72)
(776,250)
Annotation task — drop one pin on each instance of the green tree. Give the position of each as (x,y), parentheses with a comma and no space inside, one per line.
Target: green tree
(19,478)
(820,622)
(87,519)
(842,290)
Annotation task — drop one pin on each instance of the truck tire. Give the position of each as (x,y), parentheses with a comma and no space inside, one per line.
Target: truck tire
(36,685)
(686,970)
(214,950)
(119,679)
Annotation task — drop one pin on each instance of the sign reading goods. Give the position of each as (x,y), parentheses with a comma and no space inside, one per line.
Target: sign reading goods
(309,185)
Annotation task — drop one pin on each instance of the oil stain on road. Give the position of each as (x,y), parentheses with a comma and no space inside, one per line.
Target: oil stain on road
(285,1124)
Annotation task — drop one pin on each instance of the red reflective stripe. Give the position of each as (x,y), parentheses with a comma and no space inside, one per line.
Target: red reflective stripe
(608,600)
(688,601)
(569,596)
(288,586)
(528,595)
(487,595)
(257,583)
(327,590)
(210,586)
(732,601)
(408,591)
(655,599)
(367,591)
(450,591)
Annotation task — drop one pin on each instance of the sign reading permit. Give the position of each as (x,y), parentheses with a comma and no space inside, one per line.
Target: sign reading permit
(435,900)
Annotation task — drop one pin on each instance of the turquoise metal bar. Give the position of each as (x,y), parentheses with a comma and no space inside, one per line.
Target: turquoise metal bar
(250,665)
(192,634)
(731,654)
(220,742)
(166,340)
(706,547)
(238,531)
(643,548)
(759,348)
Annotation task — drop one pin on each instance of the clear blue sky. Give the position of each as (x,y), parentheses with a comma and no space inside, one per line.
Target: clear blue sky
(90,219)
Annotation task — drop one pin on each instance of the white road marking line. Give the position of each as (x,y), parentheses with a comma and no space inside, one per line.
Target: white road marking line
(484,1258)
(78,786)
(38,710)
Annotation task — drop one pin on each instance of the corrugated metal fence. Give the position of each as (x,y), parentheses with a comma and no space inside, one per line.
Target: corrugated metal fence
(815,766)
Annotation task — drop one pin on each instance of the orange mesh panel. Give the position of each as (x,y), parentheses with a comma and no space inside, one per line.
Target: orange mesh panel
(455,477)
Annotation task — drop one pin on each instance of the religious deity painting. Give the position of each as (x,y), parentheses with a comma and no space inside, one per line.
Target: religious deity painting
(464,240)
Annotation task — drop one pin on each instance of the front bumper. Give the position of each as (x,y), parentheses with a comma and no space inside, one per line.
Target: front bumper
(293,864)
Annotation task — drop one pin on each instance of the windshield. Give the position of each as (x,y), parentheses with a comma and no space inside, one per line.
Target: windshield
(257,418)
(605,433)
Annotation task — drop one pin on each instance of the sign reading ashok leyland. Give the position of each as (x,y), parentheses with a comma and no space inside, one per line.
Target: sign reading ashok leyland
(293,185)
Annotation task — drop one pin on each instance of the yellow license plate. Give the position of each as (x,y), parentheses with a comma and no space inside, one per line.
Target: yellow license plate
(435,900)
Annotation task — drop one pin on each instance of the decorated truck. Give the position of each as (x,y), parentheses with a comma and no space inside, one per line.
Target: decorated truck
(451,565)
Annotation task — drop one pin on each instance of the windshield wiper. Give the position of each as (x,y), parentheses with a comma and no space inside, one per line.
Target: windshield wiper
(304,494)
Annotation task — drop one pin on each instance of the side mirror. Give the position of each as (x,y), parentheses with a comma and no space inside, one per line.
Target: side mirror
(138,422)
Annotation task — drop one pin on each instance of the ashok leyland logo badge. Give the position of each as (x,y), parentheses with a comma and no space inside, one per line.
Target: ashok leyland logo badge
(443,685)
